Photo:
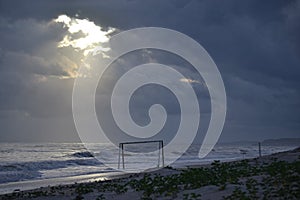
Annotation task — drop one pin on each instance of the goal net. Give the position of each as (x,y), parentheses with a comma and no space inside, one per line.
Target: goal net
(145,148)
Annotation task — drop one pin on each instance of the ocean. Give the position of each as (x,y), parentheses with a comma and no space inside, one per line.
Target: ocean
(31,161)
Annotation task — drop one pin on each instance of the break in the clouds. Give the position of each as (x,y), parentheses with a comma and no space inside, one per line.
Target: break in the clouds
(255,45)
(39,61)
(89,35)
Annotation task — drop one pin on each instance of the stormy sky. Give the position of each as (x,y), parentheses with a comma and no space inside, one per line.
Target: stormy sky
(255,44)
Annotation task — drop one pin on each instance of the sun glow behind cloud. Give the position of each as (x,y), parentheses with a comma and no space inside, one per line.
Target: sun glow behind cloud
(83,34)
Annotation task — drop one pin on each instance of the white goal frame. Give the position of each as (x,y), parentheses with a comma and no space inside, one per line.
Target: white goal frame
(160,152)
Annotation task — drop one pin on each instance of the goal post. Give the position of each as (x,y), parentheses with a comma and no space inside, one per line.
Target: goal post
(160,152)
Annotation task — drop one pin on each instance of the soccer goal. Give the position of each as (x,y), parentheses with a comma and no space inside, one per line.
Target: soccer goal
(160,152)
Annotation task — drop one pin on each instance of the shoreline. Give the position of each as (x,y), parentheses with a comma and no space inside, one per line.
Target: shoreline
(26,185)
(10,187)
(122,185)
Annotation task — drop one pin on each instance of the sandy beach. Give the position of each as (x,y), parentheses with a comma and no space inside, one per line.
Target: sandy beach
(274,176)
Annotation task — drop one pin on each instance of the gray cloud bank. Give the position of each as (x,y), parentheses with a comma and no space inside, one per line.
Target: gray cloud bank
(255,44)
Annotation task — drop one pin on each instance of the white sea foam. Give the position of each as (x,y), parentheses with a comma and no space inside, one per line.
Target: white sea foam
(20,162)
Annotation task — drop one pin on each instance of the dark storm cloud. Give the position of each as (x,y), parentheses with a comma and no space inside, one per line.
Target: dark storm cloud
(146,96)
(255,44)
(292,23)
(34,101)
(253,34)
